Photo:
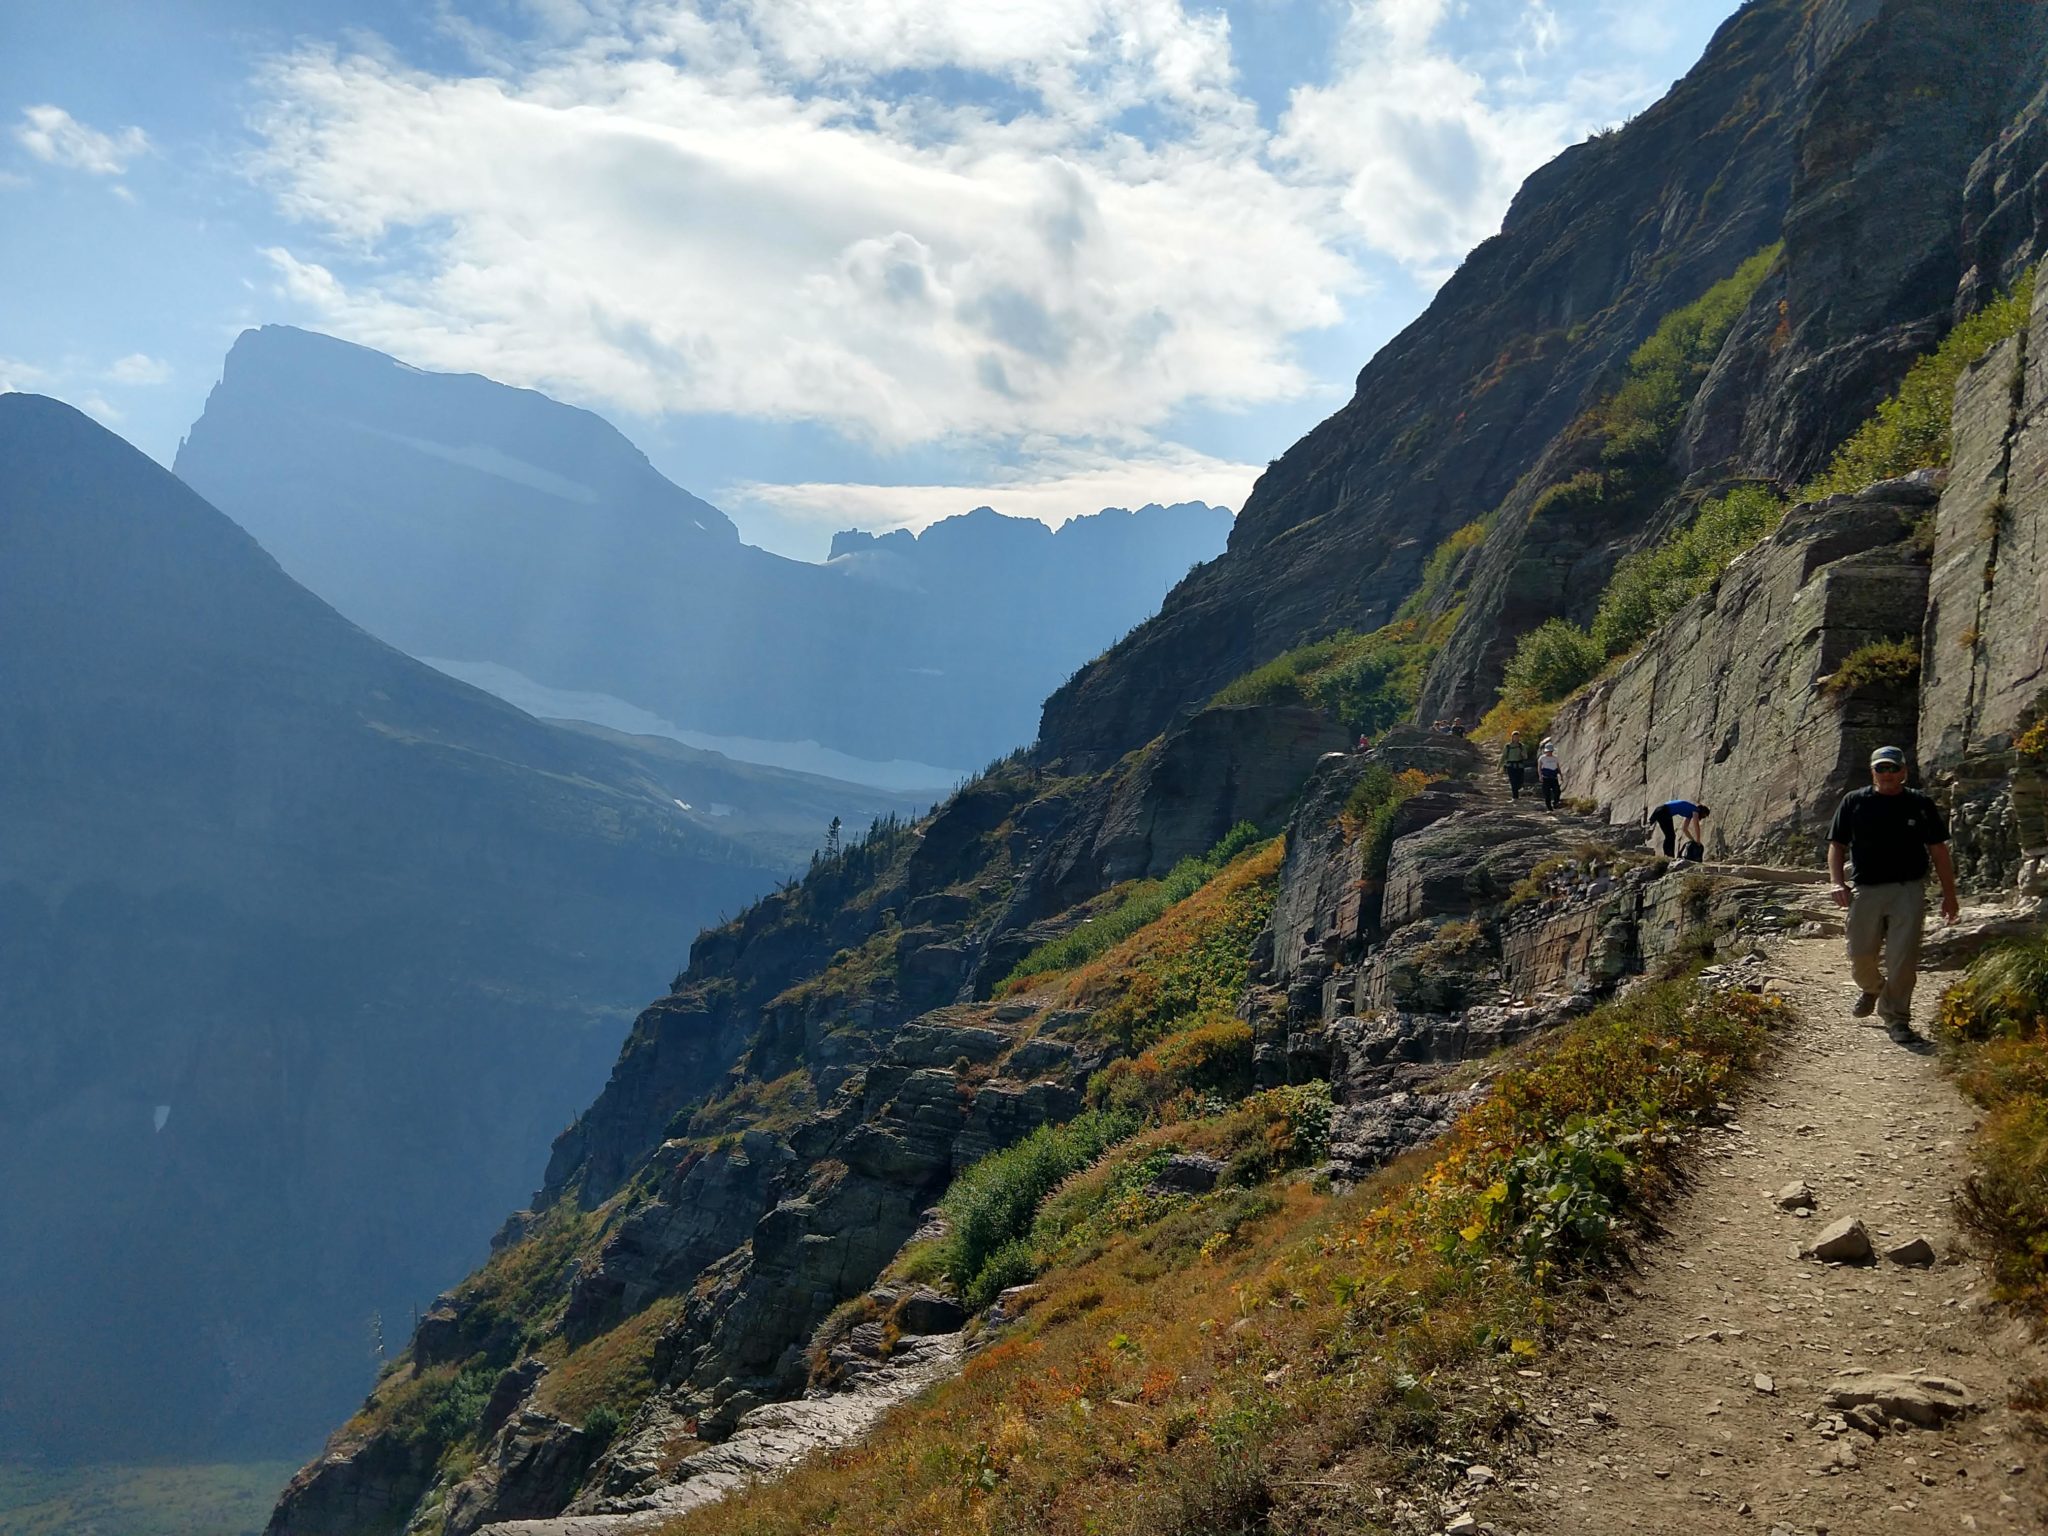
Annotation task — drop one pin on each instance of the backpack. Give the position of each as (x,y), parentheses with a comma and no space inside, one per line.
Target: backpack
(1691,852)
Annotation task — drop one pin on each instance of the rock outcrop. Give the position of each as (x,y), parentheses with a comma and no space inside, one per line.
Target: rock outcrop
(1731,702)
(1984,653)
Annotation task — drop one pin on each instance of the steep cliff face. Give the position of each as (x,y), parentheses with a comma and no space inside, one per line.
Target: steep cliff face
(1733,704)
(1738,701)
(1884,143)
(1984,649)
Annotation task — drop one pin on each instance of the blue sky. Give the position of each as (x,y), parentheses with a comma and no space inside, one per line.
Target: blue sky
(832,263)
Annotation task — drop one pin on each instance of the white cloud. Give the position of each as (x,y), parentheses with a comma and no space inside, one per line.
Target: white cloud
(138,368)
(1063,485)
(739,206)
(55,137)
(93,403)
(17,377)
(1423,150)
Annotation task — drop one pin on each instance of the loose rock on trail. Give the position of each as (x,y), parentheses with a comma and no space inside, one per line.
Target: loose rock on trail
(1740,1383)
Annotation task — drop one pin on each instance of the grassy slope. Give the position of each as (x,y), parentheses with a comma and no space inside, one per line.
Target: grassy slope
(1193,1366)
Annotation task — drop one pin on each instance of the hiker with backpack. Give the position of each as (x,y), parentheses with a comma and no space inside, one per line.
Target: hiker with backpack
(1514,762)
(1550,773)
(1675,816)
(1887,835)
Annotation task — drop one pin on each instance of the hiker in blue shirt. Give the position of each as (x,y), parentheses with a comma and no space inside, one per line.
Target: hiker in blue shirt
(1675,816)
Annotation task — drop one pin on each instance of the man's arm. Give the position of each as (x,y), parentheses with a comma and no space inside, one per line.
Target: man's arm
(1945,868)
(1838,870)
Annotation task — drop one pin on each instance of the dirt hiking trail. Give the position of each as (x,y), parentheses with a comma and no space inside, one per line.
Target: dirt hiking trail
(1694,1402)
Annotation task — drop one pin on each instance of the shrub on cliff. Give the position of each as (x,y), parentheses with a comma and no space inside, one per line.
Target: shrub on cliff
(1878,664)
(1367,681)
(1553,659)
(1195,1364)
(1995,1021)
(1142,902)
(1665,372)
(1648,587)
(1911,430)
(1189,966)
(992,1204)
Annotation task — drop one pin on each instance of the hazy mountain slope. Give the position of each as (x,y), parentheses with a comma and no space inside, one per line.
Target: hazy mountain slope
(1885,143)
(361,937)
(462,519)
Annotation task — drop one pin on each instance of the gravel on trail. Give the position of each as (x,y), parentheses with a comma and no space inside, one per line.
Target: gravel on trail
(1698,1399)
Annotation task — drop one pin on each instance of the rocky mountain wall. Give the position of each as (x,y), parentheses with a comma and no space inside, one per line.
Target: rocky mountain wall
(1893,145)
(1730,703)
(1985,644)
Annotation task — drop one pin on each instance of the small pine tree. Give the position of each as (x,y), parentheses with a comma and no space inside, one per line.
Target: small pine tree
(832,839)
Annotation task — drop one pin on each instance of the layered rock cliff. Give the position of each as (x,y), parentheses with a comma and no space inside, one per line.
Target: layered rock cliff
(1740,700)
(1885,142)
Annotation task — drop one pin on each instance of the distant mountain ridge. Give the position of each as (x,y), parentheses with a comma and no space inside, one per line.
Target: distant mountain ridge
(463,519)
(306,951)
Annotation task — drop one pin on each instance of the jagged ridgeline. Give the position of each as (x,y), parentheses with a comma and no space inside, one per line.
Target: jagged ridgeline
(1215,1153)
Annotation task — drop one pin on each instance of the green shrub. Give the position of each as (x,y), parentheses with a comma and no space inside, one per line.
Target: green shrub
(444,1408)
(1648,587)
(1367,681)
(1995,1021)
(1583,491)
(1440,571)
(1368,815)
(1551,661)
(1213,1059)
(1911,430)
(601,1425)
(1143,902)
(992,1204)
(1879,664)
(1665,372)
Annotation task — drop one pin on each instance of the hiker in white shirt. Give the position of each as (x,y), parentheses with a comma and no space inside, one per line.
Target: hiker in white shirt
(1548,769)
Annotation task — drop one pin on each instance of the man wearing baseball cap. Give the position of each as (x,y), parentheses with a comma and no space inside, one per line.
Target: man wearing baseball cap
(1887,834)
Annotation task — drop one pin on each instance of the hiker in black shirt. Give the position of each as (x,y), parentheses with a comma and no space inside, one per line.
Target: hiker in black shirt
(1888,834)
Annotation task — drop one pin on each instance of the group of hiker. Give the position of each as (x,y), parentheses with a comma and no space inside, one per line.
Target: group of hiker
(1883,840)
(1516,760)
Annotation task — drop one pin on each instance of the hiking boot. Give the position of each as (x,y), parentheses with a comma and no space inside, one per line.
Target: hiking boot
(1866,1005)
(1902,1034)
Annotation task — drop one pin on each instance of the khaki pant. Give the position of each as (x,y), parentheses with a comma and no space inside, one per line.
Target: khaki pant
(1884,944)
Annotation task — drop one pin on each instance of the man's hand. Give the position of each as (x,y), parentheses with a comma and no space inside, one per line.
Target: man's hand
(1951,909)
(1841,895)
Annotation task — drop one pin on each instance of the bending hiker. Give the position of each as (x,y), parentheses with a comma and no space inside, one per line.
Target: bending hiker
(1550,772)
(1514,761)
(1887,834)
(1675,816)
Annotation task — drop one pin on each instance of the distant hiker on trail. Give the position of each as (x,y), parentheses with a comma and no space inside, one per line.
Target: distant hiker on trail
(1458,726)
(1888,833)
(1675,816)
(1514,762)
(1364,742)
(1550,773)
